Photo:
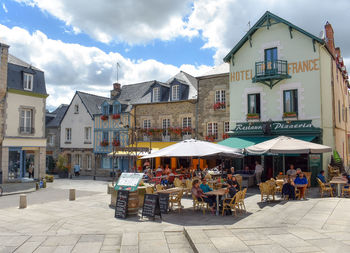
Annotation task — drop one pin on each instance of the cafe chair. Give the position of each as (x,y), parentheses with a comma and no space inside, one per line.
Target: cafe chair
(159,187)
(149,190)
(199,204)
(324,188)
(308,177)
(176,200)
(239,180)
(188,186)
(241,200)
(267,189)
(231,204)
(178,183)
(345,190)
(333,171)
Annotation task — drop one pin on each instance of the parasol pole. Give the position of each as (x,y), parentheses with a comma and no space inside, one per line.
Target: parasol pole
(284,165)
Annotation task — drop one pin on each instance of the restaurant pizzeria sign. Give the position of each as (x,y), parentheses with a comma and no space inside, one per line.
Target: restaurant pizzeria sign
(275,126)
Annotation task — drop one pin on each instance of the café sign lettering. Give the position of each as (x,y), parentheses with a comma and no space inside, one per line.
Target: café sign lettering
(274,126)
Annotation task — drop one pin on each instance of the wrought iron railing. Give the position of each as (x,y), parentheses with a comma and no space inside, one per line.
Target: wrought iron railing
(271,68)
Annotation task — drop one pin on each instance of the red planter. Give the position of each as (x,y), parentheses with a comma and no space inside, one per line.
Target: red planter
(104,117)
(116,116)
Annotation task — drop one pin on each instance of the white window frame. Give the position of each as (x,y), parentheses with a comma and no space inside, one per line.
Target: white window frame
(146,123)
(87,133)
(77,157)
(212,129)
(156,94)
(175,92)
(165,126)
(89,162)
(220,96)
(51,139)
(28,81)
(187,122)
(68,134)
(26,121)
(226,127)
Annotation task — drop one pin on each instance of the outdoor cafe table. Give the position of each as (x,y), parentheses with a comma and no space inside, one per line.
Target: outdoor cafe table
(217,193)
(338,181)
(171,190)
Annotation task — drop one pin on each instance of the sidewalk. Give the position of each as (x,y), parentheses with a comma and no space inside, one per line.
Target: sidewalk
(17,188)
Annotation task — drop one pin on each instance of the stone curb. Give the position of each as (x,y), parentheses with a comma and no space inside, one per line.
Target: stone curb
(189,239)
(17,192)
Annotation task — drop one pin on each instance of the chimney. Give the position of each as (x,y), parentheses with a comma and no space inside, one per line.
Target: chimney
(330,37)
(116,90)
(3,69)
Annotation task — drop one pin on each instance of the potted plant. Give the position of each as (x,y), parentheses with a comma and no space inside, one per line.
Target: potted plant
(253,116)
(225,136)
(116,143)
(104,143)
(210,137)
(219,105)
(116,116)
(61,165)
(290,115)
(104,117)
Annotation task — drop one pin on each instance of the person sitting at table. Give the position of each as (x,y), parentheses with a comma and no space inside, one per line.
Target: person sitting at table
(232,170)
(301,184)
(291,172)
(298,172)
(167,170)
(321,177)
(204,186)
(198,172)
(288,189)
(199,194)
(235,183)
(159,171)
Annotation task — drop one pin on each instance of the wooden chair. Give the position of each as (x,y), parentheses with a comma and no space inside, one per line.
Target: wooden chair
(231,204)
(345,191)
(267,188)
(241,200)
(188,186)
(176,200)
(159,187)
(239,180)
(199,204)
(308,177)
(149,190)
(178,182)
(324,187)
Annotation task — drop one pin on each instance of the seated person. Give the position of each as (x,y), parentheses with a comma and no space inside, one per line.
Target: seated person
(298,172)
(199,194)
(346,177)
(288,189)
(167,170)
(205,187)
(291,171)
(246,170)
(235,183)
(301,184)
(232,189)
(321,177)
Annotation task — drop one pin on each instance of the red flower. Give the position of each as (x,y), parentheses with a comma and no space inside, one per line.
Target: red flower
(116,116)
(116,143)
(104,143)
(104,117)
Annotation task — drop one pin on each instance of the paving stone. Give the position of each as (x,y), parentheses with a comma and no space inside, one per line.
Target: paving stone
(91,238)
(110,247)
(13,241)
(7,249)
(130,239)
(37,238)
(181,250)
(152,236)
(272,248)
(330,245)
(289,240)
(217,232)
(178,245)
(197,236)
(304,249)
(112,241)
(176,239)
(63,249)
(129,249)
(306,233)
(28,247)
(45,249)
(229,244)
(91,247)
(206,248)
(61,240)
(257,242)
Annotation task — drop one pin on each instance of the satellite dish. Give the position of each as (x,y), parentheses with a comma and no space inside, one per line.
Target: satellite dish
(321,35)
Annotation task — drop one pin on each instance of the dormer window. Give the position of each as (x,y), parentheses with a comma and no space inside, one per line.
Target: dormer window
(27,81)
(116,108)
(175,92)
(105,109)
(156,94)
(76,109)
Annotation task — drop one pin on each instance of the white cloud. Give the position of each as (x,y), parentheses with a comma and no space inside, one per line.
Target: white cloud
(132,21)
(4,8)
(70,67)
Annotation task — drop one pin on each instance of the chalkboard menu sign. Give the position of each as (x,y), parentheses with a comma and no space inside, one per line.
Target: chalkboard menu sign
(150,206)
(163,202)
(121,207)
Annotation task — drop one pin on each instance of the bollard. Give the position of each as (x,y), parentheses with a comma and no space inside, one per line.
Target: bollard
(22,201)
(71,194)
(44,183)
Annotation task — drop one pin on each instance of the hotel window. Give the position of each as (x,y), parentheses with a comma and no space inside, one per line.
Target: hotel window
(68,134)
(88,161)
(26,121)
(165,126)
(270,60)
(87,134)
(156,94)
(105,136)
(212,129)
(175,92)
(226,126)
(254,103)
(220,97)
(28,81)
(290,101)
(76,109)
(147,124)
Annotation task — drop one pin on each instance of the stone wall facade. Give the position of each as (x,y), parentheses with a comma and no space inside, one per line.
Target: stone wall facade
(207,87)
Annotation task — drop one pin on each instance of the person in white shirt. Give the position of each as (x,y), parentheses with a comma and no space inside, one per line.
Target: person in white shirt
(258,171)
(291,172)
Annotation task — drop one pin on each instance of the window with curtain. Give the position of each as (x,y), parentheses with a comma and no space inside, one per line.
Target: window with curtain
(290,101)
(156,94)
(212,129)
(175,92)
(26,121)
(254,103)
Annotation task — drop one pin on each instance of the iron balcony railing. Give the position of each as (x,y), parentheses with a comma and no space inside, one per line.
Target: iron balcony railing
(265,69)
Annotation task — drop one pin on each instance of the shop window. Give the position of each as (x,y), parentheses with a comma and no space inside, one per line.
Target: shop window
(254,103)
(106,163)
(290,101)
(27,81)
(68,134)
(175,92)
(14,167)
(156,94)
(26,121)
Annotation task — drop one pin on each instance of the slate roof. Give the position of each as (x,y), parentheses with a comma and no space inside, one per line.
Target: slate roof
(268,16)
(191,81)
(58,116)
(92,102)
(15,70)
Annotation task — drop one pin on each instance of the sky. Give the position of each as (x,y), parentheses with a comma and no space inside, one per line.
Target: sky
(79,43)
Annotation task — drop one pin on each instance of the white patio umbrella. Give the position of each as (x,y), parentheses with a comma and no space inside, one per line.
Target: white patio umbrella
(195,148)
(286,145)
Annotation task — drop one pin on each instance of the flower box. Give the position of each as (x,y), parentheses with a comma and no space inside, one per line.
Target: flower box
(116,143)
(116,116)
(290,115)
(219,105)
(104,117)
(210,138)
(104,143)
(253,116)
(225,136)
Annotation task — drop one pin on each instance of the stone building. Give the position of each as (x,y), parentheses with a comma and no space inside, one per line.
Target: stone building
(22,120)
(213,104)
(53,135)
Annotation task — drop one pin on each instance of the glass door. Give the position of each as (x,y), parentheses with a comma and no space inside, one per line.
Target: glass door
(271,61)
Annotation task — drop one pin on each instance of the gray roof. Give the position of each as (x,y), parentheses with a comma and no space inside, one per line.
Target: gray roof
(191,81)
(58,116)
(92,102)
(15,70)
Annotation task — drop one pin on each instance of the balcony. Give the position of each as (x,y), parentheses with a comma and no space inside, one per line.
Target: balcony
(271,72)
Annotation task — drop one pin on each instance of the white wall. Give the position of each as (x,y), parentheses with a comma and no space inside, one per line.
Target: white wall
(77,122)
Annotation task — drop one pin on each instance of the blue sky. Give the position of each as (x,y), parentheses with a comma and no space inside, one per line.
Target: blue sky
(78,43)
